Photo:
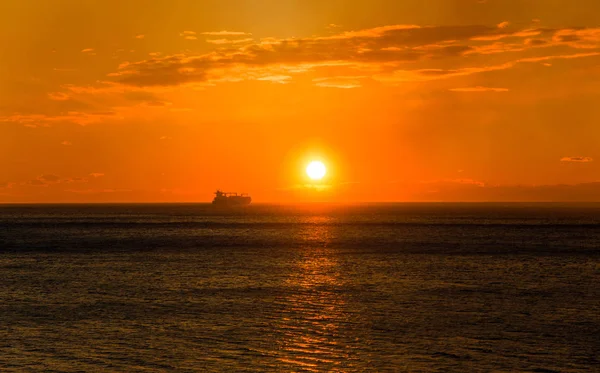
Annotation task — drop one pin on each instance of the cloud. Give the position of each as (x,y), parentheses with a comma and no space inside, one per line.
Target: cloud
(188,35)
(504,24)
(96,174)
(49,178)
(58,96)
(226,33)
(140,36)
(75,180)
(477,183)
(582,38)
(387,44)
(97,191)
(383,51)
(37,182)
(558,57)
(467,192)
(43,120)
(576,159)
(228,41)
(479,89)
(420,75)
(66,143)
(472,190)
(87,50)
(535,42)
(345,82)
(282,79)
(44,180)
(171,70)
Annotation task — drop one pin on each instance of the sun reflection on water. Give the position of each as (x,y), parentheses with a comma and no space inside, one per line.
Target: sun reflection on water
(313,311)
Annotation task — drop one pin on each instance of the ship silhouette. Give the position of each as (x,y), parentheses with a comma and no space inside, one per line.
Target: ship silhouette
(231,199)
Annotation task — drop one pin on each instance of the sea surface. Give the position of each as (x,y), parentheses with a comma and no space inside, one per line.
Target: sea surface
(310,288)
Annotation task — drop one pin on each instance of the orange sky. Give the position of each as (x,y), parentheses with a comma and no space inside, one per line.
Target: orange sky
(163,101)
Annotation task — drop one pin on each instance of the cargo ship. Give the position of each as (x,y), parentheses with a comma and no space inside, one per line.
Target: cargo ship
(231,199)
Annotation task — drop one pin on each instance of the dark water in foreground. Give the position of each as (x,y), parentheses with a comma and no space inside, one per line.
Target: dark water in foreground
(380,288)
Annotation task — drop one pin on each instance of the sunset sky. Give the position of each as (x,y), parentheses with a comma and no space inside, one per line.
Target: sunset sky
(402,100)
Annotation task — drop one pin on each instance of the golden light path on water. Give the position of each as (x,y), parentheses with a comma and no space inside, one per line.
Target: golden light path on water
(310,325)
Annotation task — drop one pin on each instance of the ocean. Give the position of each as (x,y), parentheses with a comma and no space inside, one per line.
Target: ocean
(307,288)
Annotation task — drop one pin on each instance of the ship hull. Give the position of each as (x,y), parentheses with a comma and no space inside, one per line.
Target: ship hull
(232,201)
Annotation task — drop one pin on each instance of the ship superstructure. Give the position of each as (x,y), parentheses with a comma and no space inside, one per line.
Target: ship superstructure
(231,199)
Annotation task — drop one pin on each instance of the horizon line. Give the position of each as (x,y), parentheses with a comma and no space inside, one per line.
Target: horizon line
(298,203)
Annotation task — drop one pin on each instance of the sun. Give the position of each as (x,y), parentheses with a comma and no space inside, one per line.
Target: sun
(316,170)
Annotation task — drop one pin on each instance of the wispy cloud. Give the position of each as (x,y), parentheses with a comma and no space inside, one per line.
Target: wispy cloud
(576,159)
(479,89)
(344,82)
(226,33)
(456,191)
(188,35)
(50,179)
(97,191)
(477,183)
(229,41)
(58,96)
(421,75)
(43,120)
(386,52)
(282,79)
